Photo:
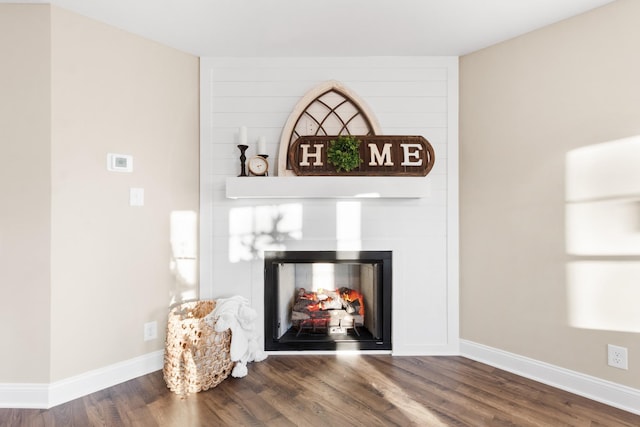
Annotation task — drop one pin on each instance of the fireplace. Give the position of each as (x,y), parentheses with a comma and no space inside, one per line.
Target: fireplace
(327,300)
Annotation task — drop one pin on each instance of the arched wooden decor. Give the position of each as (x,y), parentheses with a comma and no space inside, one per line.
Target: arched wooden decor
(329,109)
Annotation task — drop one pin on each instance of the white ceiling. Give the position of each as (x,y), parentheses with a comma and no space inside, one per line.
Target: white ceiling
(327,27)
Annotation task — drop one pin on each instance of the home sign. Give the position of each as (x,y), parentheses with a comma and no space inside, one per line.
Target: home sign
(379,156)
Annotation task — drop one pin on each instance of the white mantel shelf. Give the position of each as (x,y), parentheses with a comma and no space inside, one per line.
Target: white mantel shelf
(327,187)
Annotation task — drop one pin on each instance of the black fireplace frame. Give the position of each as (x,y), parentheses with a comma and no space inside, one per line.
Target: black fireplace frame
(271,260)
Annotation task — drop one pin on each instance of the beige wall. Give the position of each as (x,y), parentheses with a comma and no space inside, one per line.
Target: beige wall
(24,193)
(115,92)
(526,105)
(100,90)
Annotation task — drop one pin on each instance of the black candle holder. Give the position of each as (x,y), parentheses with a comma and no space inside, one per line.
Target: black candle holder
(243,158)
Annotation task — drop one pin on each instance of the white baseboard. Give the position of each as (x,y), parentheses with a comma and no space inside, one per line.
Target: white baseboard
(44,396)
(34,396)
(606,392)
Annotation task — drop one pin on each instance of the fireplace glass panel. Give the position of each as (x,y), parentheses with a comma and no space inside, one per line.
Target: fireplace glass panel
(327,300)
(320,296)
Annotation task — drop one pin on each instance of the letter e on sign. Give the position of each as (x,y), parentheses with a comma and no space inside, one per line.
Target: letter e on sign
(411,151)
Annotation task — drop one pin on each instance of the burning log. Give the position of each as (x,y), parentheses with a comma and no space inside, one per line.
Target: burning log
(354,300)
(328,311)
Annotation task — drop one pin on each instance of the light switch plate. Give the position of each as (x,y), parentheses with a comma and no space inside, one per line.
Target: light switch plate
(136,196)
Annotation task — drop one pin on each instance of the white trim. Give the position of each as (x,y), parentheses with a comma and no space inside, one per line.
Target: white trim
(99,379)
(453,208)
(33,396)
(44,396)
(616,395)
(328,187)
(450,349)
(206,172)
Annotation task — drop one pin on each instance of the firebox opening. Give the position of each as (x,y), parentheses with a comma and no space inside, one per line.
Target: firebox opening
(328,300)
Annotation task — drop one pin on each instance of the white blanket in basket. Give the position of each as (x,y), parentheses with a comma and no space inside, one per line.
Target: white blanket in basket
(236,314)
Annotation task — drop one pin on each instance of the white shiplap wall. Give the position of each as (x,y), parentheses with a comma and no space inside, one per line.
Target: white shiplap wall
(409,96)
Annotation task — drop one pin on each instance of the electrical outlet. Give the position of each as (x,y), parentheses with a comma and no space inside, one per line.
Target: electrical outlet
(150,331)
(617,357)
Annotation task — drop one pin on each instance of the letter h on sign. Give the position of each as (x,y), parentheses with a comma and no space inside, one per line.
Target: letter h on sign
(316,155)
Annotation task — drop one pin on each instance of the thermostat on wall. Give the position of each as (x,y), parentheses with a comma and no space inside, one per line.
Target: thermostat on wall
(119,162)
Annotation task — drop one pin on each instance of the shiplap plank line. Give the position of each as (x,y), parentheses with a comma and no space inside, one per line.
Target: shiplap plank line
(284,104)
(310,74)
(296,88)
(301,63)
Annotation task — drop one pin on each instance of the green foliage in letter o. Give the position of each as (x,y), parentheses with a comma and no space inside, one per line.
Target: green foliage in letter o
(344,153)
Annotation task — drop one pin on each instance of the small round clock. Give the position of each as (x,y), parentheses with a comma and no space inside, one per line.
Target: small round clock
(258,165)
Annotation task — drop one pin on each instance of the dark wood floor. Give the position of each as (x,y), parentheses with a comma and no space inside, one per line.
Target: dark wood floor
(337,391)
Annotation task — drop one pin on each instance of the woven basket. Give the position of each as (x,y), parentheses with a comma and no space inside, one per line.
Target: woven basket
(196,357)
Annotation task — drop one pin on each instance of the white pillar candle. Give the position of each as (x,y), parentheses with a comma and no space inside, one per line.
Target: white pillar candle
(262,145)
(243,135)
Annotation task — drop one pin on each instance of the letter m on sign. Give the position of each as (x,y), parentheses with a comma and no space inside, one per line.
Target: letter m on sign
(380,159)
